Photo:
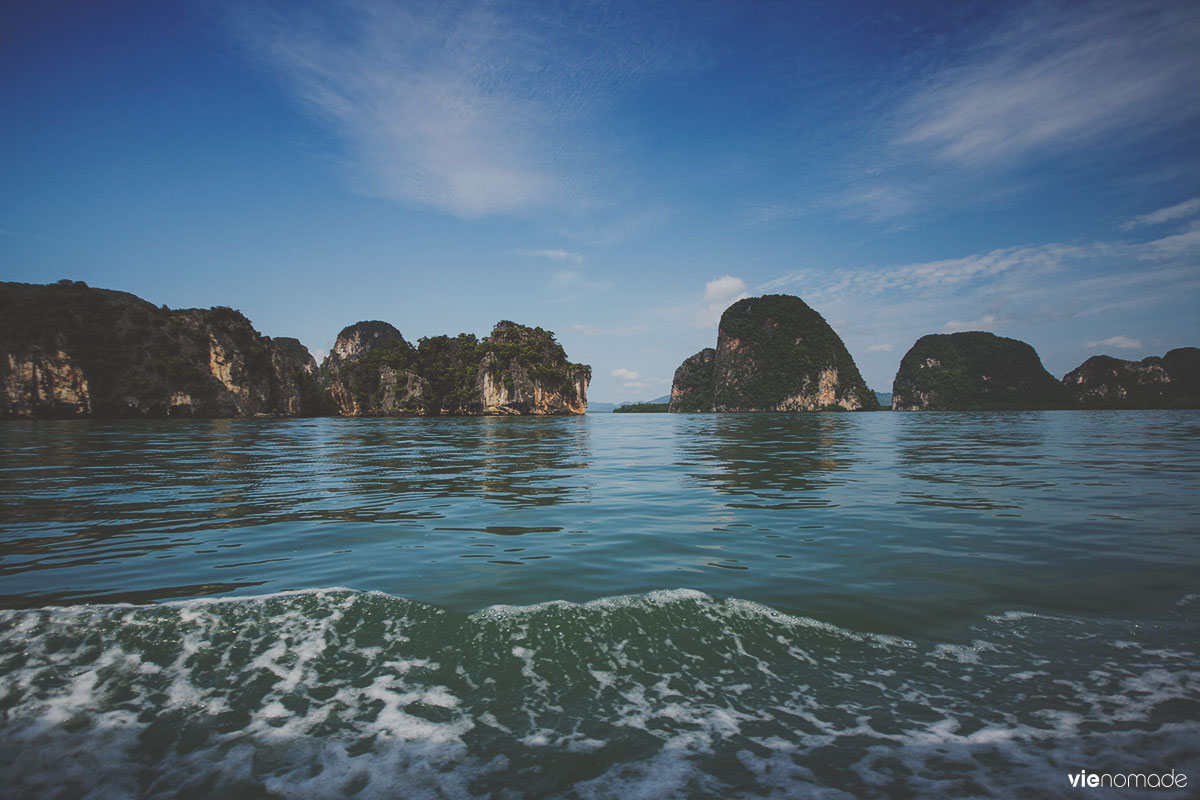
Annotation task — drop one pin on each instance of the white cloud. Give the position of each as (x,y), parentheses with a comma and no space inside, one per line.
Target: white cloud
(632,379)
(1119,342)
(723,289)
(553,255)
(1054,77)
(879,348)
(1188,208)
(719,294)
(1175,244)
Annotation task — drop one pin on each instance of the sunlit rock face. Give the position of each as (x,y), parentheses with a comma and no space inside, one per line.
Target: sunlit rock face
(1172,381)
(517,370)
(371,372)
(68,350)
(773,353)
(41,384)
(974,370)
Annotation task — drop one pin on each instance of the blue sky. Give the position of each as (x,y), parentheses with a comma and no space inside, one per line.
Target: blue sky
(618,172)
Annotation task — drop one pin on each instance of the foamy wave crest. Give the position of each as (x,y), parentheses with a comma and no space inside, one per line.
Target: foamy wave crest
(332,693)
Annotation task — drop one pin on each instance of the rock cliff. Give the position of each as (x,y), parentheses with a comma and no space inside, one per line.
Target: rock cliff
(692,387)
(773,353)
(973,371)
(1172,381)
(68,350)
(373,371)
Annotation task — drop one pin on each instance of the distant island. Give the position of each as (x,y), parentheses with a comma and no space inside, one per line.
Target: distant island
(68,350)
(642,408)
(773,353)
(979,371)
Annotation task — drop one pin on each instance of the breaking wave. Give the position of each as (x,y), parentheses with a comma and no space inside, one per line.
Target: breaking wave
(338,693)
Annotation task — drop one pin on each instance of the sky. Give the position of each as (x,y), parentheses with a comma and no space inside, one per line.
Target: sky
(618,172)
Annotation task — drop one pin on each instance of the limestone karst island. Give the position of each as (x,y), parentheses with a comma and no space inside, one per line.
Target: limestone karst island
(68,350)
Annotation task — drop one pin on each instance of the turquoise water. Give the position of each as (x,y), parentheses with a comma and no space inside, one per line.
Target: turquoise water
(826,605)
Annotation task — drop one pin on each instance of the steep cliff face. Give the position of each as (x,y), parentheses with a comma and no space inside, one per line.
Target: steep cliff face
(774,353)
(525,371)
(692,387)
(44,384)
(972,371)
(67,350)
(1172,381)
(373,371)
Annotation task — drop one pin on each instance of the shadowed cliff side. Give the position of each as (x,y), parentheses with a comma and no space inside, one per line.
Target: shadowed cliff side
(1172,381)
(774,353)
(68,350)
(974,371)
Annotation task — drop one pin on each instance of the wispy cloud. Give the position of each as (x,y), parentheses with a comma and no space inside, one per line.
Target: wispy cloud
(876,202)
(1018,291)
(984,323)
(622,374)
(1119,342)
(586,330)
(940,276)
(553,255)
(1188,208)
(470,107)
(1054,77)
(573,282)
(879,348)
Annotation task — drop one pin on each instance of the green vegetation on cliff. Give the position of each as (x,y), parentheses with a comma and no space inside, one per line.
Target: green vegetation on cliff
(692,387)
(451,365)
(538,352)
(774,348)
(376,372)
(773,353)
(974,370)
(365,373)
(72,350)
(1172,381)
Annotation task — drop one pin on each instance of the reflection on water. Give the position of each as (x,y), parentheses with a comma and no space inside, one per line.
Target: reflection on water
(974,461)
(770,461)
(876,521)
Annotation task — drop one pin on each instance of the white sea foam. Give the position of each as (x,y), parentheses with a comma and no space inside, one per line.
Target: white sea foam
(332,692)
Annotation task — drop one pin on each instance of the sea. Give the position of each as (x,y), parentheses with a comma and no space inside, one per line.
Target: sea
(822,605)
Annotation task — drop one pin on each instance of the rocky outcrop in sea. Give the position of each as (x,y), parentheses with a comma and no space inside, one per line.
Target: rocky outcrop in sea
(68,350)
(1170,381)
(773,353)
(974,371)
(517,370)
